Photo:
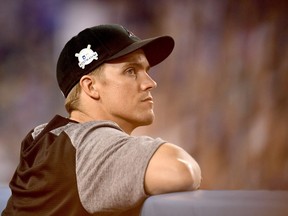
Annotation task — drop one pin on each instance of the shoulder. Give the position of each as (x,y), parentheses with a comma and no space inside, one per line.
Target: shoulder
(80,133)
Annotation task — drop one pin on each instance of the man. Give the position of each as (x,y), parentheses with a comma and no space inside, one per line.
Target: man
(89,164)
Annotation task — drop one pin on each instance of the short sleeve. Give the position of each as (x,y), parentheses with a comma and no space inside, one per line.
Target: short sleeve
(111,166)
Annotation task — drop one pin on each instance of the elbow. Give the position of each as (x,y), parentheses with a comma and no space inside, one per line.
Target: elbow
(189,176)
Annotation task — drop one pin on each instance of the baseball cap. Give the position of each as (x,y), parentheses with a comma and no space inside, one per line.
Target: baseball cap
(96,45)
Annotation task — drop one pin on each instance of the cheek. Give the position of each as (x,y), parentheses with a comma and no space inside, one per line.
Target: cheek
(118,96)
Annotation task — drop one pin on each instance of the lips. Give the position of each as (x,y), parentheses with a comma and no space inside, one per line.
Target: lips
(149,98)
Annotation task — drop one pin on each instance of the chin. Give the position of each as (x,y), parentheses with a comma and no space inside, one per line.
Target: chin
(142,119)
(147,121)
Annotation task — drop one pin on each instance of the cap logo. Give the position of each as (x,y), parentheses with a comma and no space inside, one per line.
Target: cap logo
(130,34)
(86,56)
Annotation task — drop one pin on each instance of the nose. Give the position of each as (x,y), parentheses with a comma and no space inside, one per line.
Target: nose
(148,83)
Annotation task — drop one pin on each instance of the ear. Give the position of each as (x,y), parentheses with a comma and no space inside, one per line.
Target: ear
(88,85)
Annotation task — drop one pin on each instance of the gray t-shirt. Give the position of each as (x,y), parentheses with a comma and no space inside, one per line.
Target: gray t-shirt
(110,164)
(70,168)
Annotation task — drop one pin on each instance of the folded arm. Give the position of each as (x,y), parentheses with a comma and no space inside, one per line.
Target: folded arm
(171,169)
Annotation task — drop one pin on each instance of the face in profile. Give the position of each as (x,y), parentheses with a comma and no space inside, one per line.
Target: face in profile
(125,91)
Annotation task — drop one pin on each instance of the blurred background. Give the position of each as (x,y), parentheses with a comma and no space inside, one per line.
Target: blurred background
(222,95)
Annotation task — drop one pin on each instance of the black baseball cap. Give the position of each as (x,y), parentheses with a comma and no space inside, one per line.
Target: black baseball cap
(96,45)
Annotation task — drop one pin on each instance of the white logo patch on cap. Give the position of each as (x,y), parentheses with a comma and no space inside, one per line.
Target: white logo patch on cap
(86,56)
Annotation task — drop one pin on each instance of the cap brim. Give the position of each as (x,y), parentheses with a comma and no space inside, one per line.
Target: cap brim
(156,49)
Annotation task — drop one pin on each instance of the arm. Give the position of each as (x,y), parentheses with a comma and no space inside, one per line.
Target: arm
(171,169)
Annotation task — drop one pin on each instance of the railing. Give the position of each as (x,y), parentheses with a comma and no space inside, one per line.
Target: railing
(4,196)
(207,203)
(218,203)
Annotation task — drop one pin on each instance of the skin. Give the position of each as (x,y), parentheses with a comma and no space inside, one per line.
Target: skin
(122,93)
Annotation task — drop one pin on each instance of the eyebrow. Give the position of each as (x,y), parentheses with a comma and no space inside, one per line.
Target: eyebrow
(136,64)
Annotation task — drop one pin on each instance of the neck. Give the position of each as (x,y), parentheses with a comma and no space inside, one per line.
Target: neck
(82,117)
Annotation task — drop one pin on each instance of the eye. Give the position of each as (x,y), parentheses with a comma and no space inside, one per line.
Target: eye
(131,72)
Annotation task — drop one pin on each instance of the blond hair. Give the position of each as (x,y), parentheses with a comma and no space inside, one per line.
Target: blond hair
(72,101)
